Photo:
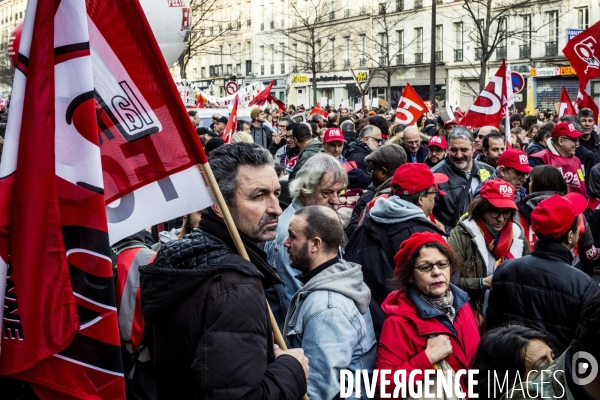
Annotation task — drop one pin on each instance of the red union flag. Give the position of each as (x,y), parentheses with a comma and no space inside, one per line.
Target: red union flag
(410,107)
(490,107)
(231,123)
(111,151)
(566,107)
(583,52)
(584,100)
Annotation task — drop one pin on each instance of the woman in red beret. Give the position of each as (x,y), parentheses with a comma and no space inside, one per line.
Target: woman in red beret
(428,319)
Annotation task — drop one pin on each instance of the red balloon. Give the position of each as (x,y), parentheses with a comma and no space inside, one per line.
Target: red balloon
(13,43)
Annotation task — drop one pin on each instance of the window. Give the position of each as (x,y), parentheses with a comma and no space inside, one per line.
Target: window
(400,60)
(248,51)
(229,55)
(582,18)
(383,49)
(399,5)
(332,52)
(220,54)
(332,10)
(203,72)
(347,52)
(552,26)
(525,48)
(439,44)
(363,50)
(419,40)
(458,35)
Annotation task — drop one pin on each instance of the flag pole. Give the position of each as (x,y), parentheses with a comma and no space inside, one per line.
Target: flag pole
(235,235)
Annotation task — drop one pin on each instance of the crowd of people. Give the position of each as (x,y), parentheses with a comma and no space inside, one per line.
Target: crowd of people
(376,246)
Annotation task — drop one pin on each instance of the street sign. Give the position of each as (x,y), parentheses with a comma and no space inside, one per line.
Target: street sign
(518,82)
(518,98)
(231,87)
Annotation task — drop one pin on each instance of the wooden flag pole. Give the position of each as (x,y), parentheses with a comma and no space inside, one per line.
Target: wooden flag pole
(235,235)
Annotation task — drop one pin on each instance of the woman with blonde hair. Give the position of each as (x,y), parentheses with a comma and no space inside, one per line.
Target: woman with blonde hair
(241,136)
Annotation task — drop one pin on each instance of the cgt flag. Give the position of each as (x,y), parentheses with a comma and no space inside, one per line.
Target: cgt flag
(111,151)
(231,123)
(583,52)
(566,107)
(490,107)
(410,107)
(584,100)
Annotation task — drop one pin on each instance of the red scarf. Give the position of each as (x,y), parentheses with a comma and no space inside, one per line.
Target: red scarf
(499,246)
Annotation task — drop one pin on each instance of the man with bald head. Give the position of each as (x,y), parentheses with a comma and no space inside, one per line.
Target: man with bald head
(415,151)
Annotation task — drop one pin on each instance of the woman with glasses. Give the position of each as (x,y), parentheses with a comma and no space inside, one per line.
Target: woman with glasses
(487,237)
(429,323)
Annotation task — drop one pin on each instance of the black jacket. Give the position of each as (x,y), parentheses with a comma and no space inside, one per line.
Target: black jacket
(363,200)
(421,154)
(588,159)
(459,191)
(542,291)
(533,147)
(357,151)
(592,144)
(206,309)
(368,248)
(262,136)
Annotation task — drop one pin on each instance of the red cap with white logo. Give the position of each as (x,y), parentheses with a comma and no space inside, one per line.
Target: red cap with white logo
(514,159)
(565,129)
(333,135)
(438,141)
(499,193)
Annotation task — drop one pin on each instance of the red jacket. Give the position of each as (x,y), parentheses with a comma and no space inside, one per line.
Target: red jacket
(405,332)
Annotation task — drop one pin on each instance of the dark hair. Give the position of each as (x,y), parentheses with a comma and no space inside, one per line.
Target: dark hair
(530,120)
(402,275)
(359,124)
(480,206)
(587,334)
(314,129)
(485,143)
(192,113)
(585,112)
(502,352)
(515,117)
(226,161)
(411,198)
(545,130)
(301,133)
(289,121)
(379,122)
(320,224)
(279,170)
(398,128)
(572,119)
(547,178)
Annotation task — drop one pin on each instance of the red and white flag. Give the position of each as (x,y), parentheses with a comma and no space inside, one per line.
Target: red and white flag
(231,123)
(410,107)
(491,105)
(317,110)
(111,150)
(566,107)
(583,52)
(584,100)
(262,97)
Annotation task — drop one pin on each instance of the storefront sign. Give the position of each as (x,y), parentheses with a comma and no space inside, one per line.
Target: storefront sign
(571,33)
(300,79)
(553,71)
(564,71)
(361,76)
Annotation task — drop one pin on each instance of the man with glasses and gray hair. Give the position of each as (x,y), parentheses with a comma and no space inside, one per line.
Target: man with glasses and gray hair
(318,183)
(369,138)
(561,154)
(464,173)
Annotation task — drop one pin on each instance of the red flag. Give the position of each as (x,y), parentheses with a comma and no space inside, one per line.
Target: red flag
(200,101)
(107,136)
(584,100)
(410,107)
(490,107)
(317,110)
(280,104)
(232,122)
(263,96)
(583,52)
(566,107)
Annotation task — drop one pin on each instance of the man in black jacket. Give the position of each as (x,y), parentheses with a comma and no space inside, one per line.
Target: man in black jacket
(389,223)
(205,305)
(369,138)
(415,151)
(589,138)
(543,290)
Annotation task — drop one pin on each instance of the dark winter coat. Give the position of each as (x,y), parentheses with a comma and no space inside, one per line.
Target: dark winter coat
(212,336)
(542,291)
(262,136)
(421,154)
(357,151)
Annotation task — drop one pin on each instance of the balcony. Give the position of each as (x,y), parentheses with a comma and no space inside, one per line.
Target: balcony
(272,69)
(283,68)
(248,67)
(439,56)
(418,4)
(418,58)
(346,63)
(239,25)
(362,11)
(400,59)
(346,13)
(478,53)
(551,49)
(500,53)
(362,62)
(525,51)
(262,70)
(458,55)
(332,15)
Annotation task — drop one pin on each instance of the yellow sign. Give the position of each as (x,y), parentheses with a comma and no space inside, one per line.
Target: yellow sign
(567,71)
(361,76)
(300,79)
(533,72)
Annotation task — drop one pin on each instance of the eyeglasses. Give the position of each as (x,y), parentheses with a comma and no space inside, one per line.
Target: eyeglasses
(436,192)
(574,140)
(375,139)
(520,175)
(413,142)
(428,267)
(506,214)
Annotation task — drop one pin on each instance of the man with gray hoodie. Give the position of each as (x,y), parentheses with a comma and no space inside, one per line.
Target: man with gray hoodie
(329,316)
(389,222)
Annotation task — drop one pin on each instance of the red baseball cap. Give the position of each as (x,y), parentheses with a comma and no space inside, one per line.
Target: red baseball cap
(499,193)
(333,135)
(554,216)
(450,121)
(514,159)
(412,244)
(565,129)
(416,177)
(438,141)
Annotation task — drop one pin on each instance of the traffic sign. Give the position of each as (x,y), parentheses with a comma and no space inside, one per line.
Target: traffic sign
(231,87)
(518,82)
